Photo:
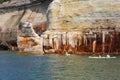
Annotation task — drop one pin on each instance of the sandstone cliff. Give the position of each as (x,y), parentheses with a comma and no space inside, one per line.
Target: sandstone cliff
(82,14)
(15,11)
(28,41)
(74,26)
(11,13)
(83,27)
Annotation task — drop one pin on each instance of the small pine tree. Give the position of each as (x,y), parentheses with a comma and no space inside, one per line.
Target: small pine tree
(1,1)
(20,25)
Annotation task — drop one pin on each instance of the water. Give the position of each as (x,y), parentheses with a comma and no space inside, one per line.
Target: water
(57,67)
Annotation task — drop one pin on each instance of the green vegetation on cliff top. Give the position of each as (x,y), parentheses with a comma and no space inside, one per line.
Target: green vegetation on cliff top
(1,1)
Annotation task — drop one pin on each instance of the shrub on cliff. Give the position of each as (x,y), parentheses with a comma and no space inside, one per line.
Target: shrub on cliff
(20,25)
(1,1)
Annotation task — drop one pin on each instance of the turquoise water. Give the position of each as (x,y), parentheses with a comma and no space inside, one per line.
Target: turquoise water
(57,67)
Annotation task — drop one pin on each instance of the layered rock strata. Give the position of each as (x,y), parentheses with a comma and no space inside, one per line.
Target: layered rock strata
(83,14)
(15,11)
(83,27)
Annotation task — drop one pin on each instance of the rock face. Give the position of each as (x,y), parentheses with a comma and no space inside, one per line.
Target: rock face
(83,14)
(83,27)
(16,11)
(11,20)
(74,26)
(28,41)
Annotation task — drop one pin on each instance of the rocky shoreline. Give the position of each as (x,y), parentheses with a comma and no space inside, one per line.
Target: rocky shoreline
(67,26)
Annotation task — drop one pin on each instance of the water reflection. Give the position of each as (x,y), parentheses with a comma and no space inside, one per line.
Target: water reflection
(57,67)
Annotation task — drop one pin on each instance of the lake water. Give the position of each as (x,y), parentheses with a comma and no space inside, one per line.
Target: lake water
(57,67)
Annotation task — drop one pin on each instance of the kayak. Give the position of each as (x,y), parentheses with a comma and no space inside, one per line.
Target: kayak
(101,57)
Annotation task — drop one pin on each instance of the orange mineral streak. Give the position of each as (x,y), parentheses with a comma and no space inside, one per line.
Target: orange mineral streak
(23,42)
(85,44)
(40,27)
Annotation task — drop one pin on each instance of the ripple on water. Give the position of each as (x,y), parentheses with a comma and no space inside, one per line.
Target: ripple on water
(57,67)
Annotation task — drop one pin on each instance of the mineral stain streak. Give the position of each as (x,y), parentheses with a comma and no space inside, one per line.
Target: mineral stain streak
(89,41)
(81,27)
(86,42)
(28,41)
